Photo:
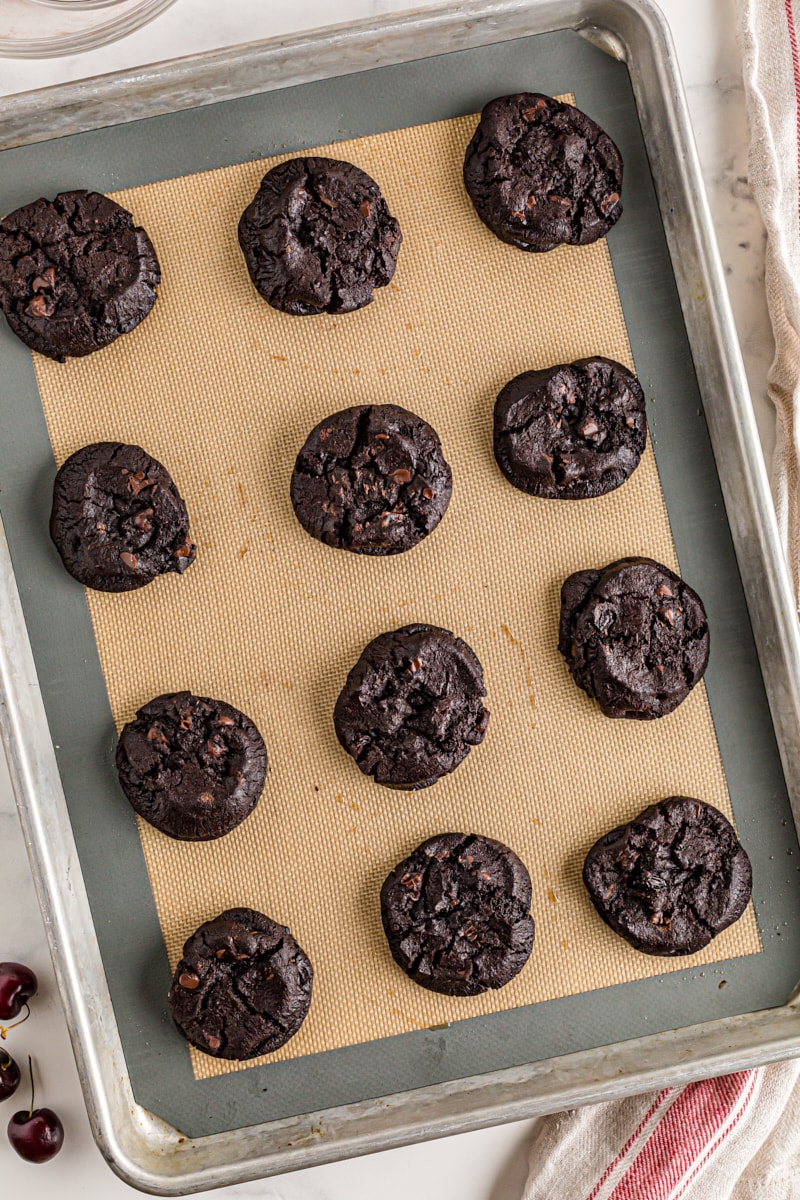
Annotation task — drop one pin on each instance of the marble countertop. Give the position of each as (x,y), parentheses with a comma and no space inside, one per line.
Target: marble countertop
(489,1165)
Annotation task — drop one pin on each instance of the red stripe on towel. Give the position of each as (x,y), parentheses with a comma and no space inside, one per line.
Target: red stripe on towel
(657,1103)
(796,72)
(722,1136)
(687,1135)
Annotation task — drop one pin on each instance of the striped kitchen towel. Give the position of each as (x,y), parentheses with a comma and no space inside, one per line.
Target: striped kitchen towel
(769,31)
(732,1138)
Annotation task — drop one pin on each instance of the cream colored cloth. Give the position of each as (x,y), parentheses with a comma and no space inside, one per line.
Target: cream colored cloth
(732,1138)
(768,33)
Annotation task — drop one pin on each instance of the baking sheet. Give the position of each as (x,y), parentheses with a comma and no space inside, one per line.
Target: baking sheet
(673,385)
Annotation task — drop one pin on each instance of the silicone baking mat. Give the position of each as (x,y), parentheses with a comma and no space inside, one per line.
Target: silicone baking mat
(224,390)
(271,621)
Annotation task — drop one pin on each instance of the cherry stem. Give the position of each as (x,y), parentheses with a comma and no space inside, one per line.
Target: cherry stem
(9,1059)
(4,1029)
(33,1089)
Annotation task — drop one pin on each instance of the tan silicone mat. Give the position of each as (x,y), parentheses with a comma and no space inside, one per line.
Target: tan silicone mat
(223,390)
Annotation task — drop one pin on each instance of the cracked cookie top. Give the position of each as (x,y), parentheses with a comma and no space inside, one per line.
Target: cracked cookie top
(318,237)
(542,174)
(672,879)
(118,520)
(372,479)
(456,914)
(570,432)
(193,767)
(75,273)
(635,637)
(243,986)
(412,706)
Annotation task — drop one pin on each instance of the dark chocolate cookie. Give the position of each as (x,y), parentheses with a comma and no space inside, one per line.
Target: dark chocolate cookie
(243,986)
(75,273)
(318,237)
(635,637)
(194,768)
(412,706)
(542,174)
(570,432)
(118,520)
(672,879)
(371,479)
(456,914)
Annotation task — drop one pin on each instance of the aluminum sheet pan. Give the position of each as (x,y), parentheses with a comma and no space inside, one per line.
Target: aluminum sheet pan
(143,1149)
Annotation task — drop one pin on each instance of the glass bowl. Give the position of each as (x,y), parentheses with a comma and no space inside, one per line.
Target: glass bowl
(49,28)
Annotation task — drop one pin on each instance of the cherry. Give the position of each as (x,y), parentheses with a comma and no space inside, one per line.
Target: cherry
(17,984)
(37,1135)
(9,1076)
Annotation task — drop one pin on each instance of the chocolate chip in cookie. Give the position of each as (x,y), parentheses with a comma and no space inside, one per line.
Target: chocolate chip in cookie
(318,237)
(671,879)
(542,174)
(456,914)
(412,706)
(118,520)
(570,432)
(635,637)
(75,273)
(193,767)
(371,479)
(242,987)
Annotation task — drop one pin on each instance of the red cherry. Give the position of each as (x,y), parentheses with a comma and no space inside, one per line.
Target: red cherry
(9,1076)
(17,984)
(37,1135)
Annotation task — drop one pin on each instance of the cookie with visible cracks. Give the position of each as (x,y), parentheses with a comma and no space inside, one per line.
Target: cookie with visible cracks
(542,174)
(412,707)
(242,987)
(570,432)
(456,914)
(371,479)
(671,879)
(635,637)
(118,520)
(75,273)
(192,767)
(318,237)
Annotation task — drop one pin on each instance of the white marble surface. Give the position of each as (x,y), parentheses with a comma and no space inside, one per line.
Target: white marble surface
(489,1165)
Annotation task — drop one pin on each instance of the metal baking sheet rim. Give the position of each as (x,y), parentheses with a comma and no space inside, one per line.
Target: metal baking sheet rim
(141,1149)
